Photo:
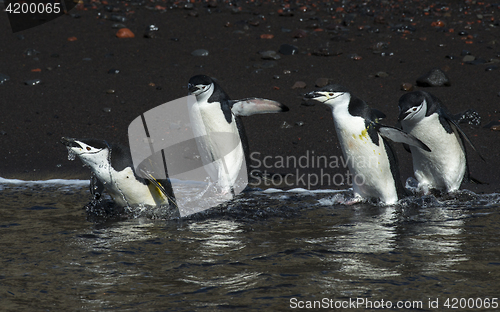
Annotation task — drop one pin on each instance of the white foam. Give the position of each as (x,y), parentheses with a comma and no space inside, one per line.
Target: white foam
(301,190)
(75,182)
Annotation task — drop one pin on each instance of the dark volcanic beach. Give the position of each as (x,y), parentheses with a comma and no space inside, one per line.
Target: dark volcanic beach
(93,84)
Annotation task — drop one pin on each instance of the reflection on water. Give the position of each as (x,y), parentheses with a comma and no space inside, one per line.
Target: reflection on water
(255,253)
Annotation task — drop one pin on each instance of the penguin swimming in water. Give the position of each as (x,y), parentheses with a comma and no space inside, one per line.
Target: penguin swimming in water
(424,116)
(217,120)
(365,145)
(112,170)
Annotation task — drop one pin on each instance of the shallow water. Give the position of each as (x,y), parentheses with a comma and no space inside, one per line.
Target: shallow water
(265,251)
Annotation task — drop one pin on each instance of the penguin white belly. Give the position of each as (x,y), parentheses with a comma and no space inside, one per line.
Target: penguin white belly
(127,191)
(442,168)
(224,144)
(368,163)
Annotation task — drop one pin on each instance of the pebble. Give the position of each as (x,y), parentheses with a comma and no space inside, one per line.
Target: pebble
(434,78)
(199,52)
(124,33)
(118,26)
(107,109)
(117,18)
(269,55)
(325,52)
(113,71)
(285,125)
(265,64)
(299,123)
(299,85)
(491,68)
(288,49)
(379,46)
(468,58)
(110,91)
(355,57)
(299,33)
(72,39)
(465,52)
(406,86)
(321,82)
(31,52)
(381,74)
(266,36)
(3,78)
(32,82)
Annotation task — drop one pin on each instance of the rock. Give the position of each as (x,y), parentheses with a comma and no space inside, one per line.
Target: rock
(107,109)
(288,49)
(468,58)
(30,52)
(434,78)
(285,125)
(491,68)
(32,82)
(299,123)
(199,52)
(269,55)
(3,78)
(117,18)
(381,74)
(379,46)
(406,86)
(321,82)
(266,36)
(124,33)
(72,39)
(110,91)
(491,124)
(299,85)
(113,71)
(465,52)
(355,57)
(299,33)
(325,52)
(118,26)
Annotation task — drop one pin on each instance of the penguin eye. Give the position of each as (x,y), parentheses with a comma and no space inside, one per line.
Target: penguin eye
(414,109)
(330,94)
(88,148)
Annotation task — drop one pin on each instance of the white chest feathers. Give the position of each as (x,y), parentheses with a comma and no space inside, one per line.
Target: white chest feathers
(444,167)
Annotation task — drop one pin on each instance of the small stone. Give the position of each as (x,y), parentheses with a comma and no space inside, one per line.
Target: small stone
(451,57)
(299,85)
(406,86)
(199,52)
(495,128)
(321,82)
(379,46)
(276,77)
(265,64)
(31,52)
(152,28)
(492,124)
(434,78)
(2,132)
(285,125)
(113,71)
(266,36)
(118,26)
(381,74)
(110,91)
(299,33)
(107,109)
(117,18)
(355,57)
(465,52)
(124,33)
(463,33)
(3,78)
(288,49)
(72,39)
(468,58)
(299,123)
(32,82)
(269,55)
(491,68)
(325,52)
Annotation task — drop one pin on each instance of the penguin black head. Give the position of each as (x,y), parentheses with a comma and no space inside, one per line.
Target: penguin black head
(414,106)
(328,94)
(199,84)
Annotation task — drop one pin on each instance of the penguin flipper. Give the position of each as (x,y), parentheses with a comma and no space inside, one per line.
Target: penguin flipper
(378,114)
(163,185)
(399,136)
(251,106)
(462,136)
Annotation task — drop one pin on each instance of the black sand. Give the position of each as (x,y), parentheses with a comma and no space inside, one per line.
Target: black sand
(72,96)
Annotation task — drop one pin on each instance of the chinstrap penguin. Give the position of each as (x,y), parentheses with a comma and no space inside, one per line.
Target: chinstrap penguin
(365,141)
(112,170)
(221,128)
(424,116)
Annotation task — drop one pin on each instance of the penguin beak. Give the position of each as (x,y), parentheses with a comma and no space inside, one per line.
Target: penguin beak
(192,88)
(312,95)
(403,115)
(69,142)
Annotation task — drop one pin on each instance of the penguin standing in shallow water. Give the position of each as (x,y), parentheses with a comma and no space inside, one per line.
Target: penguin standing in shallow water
(112,170)
(422,115)
(364,143)
(218,122)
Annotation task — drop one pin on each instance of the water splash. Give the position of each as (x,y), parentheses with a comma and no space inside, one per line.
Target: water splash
(71,155)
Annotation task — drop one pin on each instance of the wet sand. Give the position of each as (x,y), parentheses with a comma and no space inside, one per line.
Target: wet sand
(73,98)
